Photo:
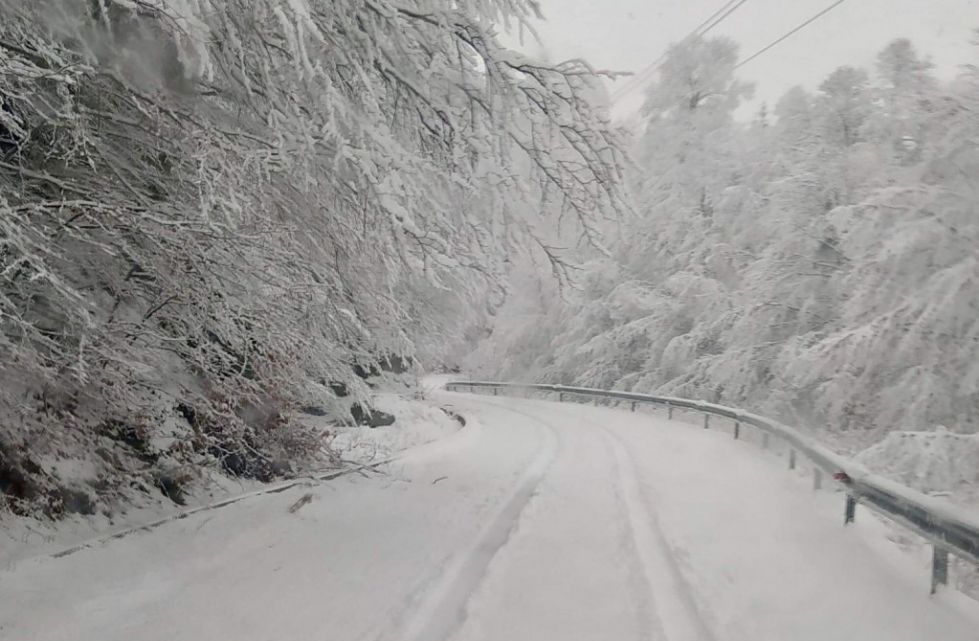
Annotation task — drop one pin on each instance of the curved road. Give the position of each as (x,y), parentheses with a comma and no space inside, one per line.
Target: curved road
(536,522)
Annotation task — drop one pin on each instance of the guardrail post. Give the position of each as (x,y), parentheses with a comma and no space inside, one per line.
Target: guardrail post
(669,411)
(764,440)
(817,478)
(495,392)
(850,510)
(737,430)
(633,406)
(939,568)
(706,421)
(791,459)
(560,396)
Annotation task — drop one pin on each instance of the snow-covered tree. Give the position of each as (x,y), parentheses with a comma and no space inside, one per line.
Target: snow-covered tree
(828,275)
(225,206)
(907,100)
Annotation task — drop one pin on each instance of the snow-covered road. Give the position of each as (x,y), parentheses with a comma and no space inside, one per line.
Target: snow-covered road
(537,522)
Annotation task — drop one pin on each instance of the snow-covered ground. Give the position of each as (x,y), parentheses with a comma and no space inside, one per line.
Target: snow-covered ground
(537,521)
(417,421)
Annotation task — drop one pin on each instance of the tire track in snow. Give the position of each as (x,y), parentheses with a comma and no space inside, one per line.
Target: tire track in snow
(441,609)
(580,438)
(643,594)
(680,617)
(667,602)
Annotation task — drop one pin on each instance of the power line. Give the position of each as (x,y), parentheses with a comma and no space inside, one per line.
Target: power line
(790,33)
(647,73)
(714,15)
(637,80)
(700,30)
(722,18)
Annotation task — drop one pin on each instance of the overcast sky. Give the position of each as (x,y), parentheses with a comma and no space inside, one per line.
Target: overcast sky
(627,35)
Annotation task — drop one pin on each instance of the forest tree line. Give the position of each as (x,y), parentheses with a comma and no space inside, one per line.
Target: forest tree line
(818,263)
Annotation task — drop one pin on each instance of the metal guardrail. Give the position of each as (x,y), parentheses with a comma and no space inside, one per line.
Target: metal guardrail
(947,529)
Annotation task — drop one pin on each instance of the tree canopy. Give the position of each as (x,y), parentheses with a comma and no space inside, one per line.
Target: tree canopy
(819,267)
(224,206)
